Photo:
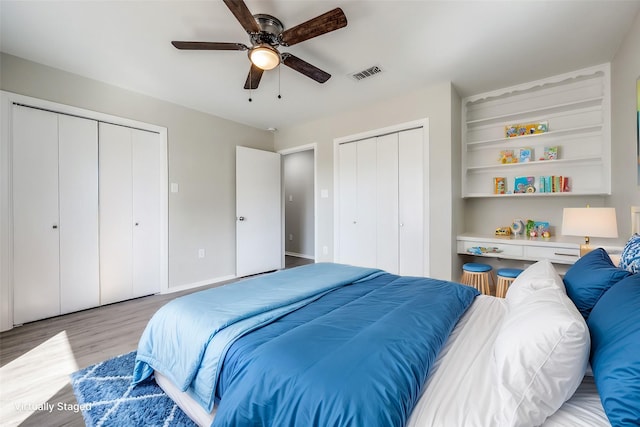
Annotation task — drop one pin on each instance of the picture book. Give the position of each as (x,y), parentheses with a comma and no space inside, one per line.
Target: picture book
(525,155)
(524,184)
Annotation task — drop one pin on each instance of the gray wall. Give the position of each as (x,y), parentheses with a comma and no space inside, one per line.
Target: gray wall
(299,203)
(433,102)
(201,157)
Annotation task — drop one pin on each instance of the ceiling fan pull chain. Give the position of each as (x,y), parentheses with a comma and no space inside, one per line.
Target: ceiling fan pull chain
(250,69)
(279,91)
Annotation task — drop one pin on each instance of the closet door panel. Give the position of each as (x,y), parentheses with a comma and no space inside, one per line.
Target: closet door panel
(366,202)
(387,203)
(36,290)
(116,213)
(347,214)
(146,212)
(78,195)
(411,202)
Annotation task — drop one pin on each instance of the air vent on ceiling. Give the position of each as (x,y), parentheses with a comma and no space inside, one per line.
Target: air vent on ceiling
(369,72)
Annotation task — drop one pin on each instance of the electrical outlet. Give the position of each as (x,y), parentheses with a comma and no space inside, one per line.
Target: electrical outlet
(200,253)
(290,236)
(325,250)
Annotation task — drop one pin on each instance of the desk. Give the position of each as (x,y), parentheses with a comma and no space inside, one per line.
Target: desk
(557,249)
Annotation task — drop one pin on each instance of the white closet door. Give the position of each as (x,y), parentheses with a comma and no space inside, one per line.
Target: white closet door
(347,214)
(78,195)
(411,202)
(366,201)
(146,212)
(116,213)
(36,290)
(387,203)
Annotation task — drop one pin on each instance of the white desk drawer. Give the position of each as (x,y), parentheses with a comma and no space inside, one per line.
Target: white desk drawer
(504,250)
(553,254)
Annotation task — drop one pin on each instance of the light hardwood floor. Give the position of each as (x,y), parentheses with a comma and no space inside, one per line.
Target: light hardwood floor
(37,358)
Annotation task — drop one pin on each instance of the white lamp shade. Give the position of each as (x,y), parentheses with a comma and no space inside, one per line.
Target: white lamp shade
(591,222)
(264,57)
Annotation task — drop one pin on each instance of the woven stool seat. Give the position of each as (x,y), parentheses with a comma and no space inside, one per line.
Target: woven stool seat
(477,275)
(506,276)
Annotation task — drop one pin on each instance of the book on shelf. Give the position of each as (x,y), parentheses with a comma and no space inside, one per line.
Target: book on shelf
(499,185)
(553,184)
(525,155)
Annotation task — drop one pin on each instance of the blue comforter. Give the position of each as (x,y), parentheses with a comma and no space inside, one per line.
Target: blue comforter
(186,339)
(329,345)
(358,356)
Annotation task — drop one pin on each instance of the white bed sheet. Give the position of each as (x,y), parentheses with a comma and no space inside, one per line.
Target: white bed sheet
(459,390)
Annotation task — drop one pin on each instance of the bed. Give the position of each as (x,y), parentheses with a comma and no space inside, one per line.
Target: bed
(479,361)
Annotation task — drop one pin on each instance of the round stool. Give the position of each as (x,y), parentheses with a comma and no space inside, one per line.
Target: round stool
(506,276)
(477,275)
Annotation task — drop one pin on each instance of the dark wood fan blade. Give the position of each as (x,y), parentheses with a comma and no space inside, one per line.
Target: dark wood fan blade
(305,68)
(253,79)
(325,23)
(208,46)
(243,15)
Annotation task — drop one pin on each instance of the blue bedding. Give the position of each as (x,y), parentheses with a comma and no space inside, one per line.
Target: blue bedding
(358,356)
(186,339)
(319,345)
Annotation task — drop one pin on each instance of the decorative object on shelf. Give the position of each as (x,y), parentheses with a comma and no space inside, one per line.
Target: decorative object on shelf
(540,229)
(529,227)
(503,231)
(499,185)
(517,227)
(524,184)
(511,131)
(506,156)
(550,153)
(589,222)
(525,155)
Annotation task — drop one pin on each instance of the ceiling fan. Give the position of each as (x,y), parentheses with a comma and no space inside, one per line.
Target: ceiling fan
(266,33)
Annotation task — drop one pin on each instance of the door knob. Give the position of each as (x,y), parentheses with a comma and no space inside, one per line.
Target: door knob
(54,226)
(240,218)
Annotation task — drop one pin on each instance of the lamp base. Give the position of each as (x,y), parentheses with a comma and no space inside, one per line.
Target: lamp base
(585,248)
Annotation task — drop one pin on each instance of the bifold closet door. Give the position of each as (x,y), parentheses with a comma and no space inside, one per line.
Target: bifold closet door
(129,213)
(387,221)
(36,264)
(411,172)
(116,214)
(55,214)
(78,196)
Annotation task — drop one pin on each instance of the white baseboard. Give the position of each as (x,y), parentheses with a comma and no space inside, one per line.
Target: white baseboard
(202,283)
(300,255)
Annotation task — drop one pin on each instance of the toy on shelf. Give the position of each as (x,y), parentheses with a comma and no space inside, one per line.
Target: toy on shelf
(503,231)
(479,250)
(517,227)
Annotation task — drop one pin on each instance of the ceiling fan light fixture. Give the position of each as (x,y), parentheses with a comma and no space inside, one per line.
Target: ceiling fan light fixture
(264,57)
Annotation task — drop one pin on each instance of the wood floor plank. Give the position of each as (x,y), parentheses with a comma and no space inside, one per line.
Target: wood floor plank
(37,358)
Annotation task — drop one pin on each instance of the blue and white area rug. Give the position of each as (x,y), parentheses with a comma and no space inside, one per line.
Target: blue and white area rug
(107,398)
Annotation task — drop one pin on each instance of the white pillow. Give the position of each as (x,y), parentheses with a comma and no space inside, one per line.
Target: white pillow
(541,275)
(540,356)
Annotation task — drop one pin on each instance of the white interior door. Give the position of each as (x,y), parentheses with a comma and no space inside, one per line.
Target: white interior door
(78,176)
(258,211)
(146,212)
(348,210)
(387,222)
(36,265)
(116,213)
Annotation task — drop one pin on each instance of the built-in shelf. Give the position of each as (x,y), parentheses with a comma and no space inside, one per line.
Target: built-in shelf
(576,107)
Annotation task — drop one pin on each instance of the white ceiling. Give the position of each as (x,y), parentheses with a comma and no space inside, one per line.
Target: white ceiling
(477,45)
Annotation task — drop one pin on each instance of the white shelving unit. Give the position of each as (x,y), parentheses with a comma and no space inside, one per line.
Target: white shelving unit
(576,107)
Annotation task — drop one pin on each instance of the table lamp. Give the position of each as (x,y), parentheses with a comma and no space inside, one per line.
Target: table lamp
(589,222)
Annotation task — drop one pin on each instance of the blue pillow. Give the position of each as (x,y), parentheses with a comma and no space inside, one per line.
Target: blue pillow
(614,325)
(590,277)
(630,257)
